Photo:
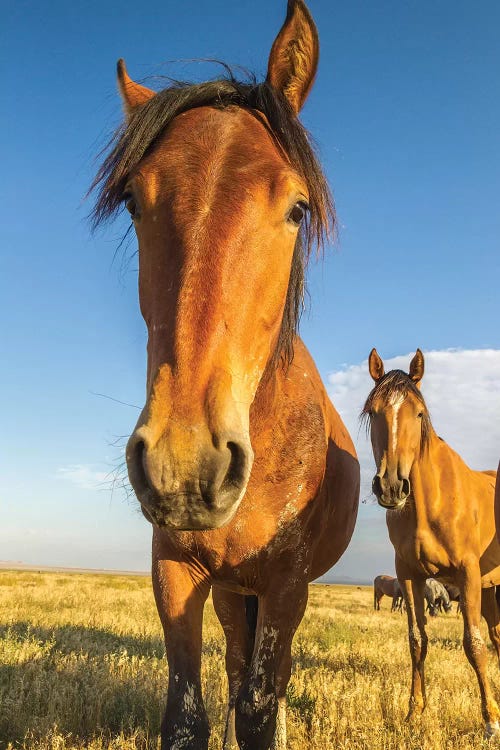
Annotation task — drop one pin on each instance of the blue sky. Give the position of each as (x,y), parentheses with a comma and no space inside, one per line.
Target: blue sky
(406,114)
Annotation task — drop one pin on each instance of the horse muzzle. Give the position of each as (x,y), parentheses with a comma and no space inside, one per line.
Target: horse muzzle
(391,494)
(189,484)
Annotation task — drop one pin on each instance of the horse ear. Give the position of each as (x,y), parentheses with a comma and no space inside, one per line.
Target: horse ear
(376,366)
(133,94)
(417,367)
(293,60)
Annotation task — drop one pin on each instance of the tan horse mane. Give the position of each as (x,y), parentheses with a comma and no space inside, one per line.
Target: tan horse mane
(138,136)
(391,385)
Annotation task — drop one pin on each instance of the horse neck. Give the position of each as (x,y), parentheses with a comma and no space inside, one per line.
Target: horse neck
(280,384)
(425,477)
(270,392)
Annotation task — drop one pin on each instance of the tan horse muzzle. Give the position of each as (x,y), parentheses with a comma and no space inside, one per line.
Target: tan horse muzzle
(189,479)
(391,492)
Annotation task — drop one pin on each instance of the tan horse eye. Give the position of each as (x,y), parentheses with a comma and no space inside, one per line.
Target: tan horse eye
(420,415)
(297,214)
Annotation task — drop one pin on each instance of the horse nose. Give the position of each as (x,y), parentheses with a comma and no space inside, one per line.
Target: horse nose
(389,491)
(186,481)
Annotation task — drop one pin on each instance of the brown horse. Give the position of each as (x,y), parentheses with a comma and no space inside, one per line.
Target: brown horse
(238,460)
(382,586)
(440,518)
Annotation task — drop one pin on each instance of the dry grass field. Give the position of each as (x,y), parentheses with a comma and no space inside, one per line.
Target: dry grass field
(82,666)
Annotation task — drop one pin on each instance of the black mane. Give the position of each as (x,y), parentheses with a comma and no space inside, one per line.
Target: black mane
(135,138)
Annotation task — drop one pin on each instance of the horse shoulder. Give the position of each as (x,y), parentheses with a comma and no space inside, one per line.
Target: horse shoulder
(334,511)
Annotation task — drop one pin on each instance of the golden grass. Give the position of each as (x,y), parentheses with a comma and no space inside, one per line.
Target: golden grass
(82,666)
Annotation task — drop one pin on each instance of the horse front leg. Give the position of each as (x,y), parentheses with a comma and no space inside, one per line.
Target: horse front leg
(180,592)
(239,628)
(262,696)
(282,680)
(413,595)
(474,645)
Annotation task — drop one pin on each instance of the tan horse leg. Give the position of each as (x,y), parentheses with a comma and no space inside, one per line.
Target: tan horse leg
(475,648)
(489,610)
(180,595)
(230,609)
(261,698)
(413,594)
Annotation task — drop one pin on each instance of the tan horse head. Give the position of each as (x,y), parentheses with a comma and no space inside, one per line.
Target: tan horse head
(399,426)
(225,195)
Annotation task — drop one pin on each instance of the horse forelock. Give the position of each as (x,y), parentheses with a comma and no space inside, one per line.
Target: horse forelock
(139,135)
(394,387)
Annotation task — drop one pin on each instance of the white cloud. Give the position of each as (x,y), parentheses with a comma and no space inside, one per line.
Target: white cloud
(462,392)
(84,476)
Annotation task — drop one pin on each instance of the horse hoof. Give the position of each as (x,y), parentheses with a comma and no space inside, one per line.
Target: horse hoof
(414,714)
(492,730)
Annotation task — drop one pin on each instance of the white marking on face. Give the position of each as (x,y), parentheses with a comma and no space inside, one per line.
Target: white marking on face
(395,401)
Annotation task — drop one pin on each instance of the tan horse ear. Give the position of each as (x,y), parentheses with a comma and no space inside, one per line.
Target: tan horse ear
(293,60)
(376,366)
(417,367)
(132,94)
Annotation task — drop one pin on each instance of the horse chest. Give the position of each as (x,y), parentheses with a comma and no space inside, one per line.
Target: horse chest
(245,554)
(420,548)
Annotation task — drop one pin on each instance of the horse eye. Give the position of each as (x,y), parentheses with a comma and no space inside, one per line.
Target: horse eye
(130,204)
(420,415)
(297,214)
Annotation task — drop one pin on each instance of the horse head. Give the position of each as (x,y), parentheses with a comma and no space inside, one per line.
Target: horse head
(225,196)
(399,425)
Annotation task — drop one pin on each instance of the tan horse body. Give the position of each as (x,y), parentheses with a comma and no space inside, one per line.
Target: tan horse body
(440,516)
(240,462)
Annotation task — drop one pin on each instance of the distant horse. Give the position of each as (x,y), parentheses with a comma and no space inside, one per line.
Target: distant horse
(239,460)
(454,594)
(440,518)
(436,597)
(382,586)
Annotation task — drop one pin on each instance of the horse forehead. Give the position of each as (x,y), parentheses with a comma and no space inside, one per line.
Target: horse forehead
(391,404)
(395,400)
(206,145)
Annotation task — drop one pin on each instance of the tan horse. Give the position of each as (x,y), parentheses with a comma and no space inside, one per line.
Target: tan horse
(497,503)
(382,586)
(440,518)
(238,460)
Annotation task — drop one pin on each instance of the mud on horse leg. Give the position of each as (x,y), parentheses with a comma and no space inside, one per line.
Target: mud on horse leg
(180,596)
(474,646)
(264,688)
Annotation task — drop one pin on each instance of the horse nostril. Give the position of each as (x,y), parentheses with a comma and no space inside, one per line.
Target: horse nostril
(376,486)
(405,488)
(238,469)
(136,467)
